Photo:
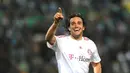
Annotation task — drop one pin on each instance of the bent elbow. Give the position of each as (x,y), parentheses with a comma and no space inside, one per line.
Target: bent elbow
(50,39)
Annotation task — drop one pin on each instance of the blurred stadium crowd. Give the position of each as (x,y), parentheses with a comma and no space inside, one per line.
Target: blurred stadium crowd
(23,25)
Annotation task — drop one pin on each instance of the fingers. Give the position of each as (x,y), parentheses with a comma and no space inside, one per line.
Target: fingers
(59,10)
(58,16)
(59,13)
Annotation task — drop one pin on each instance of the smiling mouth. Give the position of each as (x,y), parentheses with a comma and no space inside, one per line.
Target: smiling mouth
(76,30)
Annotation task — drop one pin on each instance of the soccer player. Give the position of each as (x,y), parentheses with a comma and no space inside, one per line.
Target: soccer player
(74,52)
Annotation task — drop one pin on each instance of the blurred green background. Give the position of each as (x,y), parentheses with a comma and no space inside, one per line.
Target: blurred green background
(24,23)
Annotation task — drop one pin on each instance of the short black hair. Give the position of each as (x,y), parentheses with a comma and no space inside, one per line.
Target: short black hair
(67,22)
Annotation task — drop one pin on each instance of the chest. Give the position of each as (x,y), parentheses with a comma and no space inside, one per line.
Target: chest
(76,49)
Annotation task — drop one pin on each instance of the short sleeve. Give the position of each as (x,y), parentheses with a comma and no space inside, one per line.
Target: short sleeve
(95,56)
(54,46)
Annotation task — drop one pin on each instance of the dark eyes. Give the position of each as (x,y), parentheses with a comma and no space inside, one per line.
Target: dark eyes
(79,22)
(72,23)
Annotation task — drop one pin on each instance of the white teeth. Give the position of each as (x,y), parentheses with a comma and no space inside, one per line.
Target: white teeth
(76,30)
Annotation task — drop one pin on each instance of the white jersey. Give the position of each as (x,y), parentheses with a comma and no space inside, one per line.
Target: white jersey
(74,56)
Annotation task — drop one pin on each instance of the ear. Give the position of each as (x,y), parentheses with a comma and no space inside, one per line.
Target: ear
(84,28)
(69,28)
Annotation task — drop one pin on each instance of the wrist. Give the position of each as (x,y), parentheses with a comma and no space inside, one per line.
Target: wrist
(56,22)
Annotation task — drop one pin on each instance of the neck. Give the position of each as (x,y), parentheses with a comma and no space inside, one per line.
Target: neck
(76,37)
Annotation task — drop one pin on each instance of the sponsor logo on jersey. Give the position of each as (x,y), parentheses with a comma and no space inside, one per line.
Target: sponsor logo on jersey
(79,58)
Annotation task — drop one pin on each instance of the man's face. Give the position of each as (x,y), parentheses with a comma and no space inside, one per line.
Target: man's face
(76,27)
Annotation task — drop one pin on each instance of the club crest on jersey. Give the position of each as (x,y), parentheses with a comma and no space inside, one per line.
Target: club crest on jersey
(89,52)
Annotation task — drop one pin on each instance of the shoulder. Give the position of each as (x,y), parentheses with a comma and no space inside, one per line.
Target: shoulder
(91,44)
(62,36)
(89,41)
(86,38)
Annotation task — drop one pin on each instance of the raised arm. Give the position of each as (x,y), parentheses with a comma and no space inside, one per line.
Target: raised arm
(50,35)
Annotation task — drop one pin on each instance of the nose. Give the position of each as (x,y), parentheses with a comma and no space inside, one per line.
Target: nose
(76,25)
